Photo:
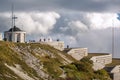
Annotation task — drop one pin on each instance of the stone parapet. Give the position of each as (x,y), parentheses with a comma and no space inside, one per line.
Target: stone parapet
(56,44)
(78,53)
(101,61)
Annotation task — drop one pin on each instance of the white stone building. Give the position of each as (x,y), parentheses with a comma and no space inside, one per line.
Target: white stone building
(77,53)
(15,35)
(114,69)
(100,60)
(1,38)
(49,41)
(115,72)
(56,44)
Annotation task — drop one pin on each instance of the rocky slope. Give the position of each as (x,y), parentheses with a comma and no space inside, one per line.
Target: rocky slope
(31,61)
(36,61)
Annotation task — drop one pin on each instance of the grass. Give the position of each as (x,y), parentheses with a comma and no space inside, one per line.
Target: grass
(78,70)
(83,71)
(7,74)
(51,65)
(10,57)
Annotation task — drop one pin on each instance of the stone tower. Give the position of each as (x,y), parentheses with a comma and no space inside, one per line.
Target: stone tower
(14,34)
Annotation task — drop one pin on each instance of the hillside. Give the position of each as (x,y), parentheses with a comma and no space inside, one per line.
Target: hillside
(28,61)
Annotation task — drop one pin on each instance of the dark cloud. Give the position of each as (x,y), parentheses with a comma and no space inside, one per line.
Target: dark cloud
(58,5)
(5,23)
(29,5)
(91,5)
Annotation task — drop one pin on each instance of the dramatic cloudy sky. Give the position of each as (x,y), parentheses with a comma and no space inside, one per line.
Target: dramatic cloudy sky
(80,23)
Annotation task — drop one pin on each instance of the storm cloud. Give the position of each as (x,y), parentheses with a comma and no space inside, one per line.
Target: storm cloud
(61,5)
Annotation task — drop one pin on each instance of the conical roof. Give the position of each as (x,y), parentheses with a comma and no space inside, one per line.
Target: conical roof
(14,29)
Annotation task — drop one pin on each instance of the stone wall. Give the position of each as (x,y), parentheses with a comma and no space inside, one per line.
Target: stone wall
(116,69)
(56,44)
(99,62)
(116,76)
(78,53)
(116,72)
(17,36)
(1,38)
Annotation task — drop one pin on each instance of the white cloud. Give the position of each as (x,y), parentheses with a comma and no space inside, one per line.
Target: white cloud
(103,20)
(95,21)
(6,14)
(64,28)
(37,22)
(33,22)
(78,25)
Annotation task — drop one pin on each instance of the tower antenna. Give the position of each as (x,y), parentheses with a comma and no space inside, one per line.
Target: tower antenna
(12,14)
(13,17)
(113,39)
(12,22)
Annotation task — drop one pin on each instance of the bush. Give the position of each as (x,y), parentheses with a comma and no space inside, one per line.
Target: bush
(101,72)
(86,59)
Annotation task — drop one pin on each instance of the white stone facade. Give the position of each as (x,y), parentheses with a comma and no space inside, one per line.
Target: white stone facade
(78,53)
(114,72)
(116,76)
(1,38)
(56,44)
(17,36)
(99,62)
(116,69)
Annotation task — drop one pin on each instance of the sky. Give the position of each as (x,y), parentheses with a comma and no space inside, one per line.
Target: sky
(79,23)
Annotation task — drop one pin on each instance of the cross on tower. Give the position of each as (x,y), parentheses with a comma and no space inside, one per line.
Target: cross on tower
(13,18)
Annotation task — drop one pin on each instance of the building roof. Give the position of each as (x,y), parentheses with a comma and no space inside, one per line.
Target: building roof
(14,29)
(96,54)
(115,61)
(109,69)
(67,49)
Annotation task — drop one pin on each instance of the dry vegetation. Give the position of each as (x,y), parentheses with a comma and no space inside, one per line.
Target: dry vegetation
(43,62)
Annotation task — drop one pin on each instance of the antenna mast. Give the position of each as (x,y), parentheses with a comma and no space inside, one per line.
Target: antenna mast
(113,38)
(14,17)
(12,23)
